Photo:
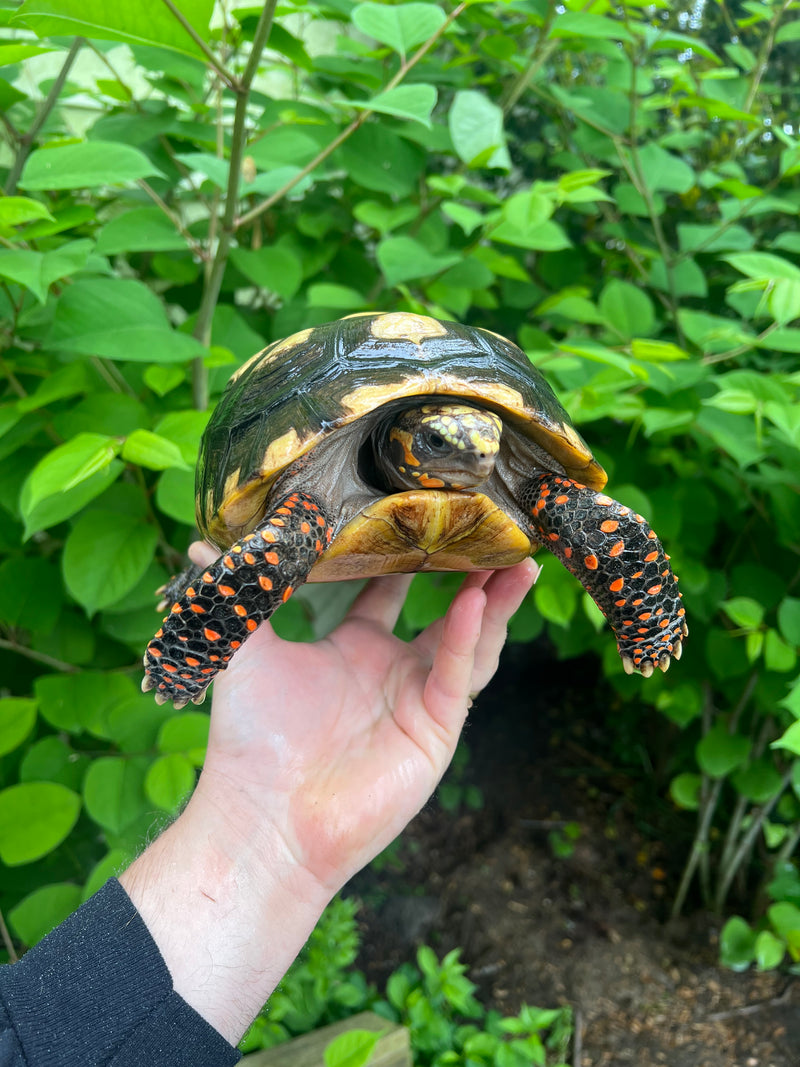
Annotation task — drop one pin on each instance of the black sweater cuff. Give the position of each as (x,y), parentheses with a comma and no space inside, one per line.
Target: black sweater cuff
(96,991)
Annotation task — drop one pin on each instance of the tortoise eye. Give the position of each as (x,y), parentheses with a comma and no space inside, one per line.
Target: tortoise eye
(436,441)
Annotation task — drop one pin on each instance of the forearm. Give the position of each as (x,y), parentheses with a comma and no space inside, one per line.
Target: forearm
(228,908)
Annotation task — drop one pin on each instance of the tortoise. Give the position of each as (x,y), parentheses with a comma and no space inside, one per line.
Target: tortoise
(386,443)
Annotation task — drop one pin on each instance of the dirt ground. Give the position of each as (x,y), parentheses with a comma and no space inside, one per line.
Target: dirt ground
(588,930)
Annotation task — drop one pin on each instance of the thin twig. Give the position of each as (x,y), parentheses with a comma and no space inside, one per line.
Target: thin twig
(202,330)
(752,1009)
(193,244)
(27,138)
(6,936)
(178,15)
(40,657)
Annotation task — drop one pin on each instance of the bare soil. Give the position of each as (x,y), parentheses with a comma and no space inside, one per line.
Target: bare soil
(590,929)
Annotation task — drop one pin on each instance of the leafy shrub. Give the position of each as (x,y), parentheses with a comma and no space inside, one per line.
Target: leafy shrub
(613,187)
(434,999)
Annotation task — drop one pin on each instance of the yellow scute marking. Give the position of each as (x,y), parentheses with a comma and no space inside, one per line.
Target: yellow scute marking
(271,352)
(403,325)
(368,397)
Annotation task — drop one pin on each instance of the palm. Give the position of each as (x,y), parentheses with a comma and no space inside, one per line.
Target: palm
(357,728)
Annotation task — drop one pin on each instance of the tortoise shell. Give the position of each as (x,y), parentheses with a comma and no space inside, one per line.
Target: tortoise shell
(288,398)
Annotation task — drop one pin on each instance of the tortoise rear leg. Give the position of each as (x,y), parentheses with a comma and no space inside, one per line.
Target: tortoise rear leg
(226,603)
(620,562)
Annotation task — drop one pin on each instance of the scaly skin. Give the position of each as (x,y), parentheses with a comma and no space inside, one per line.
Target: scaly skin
(620,562)
(217,612)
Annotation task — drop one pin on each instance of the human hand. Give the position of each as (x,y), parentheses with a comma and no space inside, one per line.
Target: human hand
(318,756)
(335,745)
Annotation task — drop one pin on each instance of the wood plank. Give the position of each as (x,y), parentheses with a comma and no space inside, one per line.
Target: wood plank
(392,1050)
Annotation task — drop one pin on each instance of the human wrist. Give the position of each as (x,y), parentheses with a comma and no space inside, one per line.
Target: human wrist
(229,907)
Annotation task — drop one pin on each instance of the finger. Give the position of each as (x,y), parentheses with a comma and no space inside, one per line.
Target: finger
(202,554)
(505,591)
(381,600)
(446,694)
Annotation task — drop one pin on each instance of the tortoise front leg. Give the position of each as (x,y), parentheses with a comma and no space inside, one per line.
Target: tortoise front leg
(620,562)
(226,603)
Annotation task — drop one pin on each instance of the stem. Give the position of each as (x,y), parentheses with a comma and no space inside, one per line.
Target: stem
(194,245)
(40,657)
(747,843)
(406,66)
(228,78)
(6,937)
(27,139)
(202,330)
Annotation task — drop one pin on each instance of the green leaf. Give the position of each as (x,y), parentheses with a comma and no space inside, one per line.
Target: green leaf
(149,450)
(650,351)
(789,619)
(401,27)
(403,258)
(35,817)
(68,465)
(476,130)
(169,782)
(340,297)
(406,102)
(17,719)
(113,792)
(737,944)
(789,31)
(769,950)
(38,270)
(31,595)
(586,24)
(105,555)
(685,791)
(744,611)
(778,656)
(785,919)
(664,171)
(273,268)
(54,509)
(720,752)
(163,380)
(784,300)
(763,265)
(42,910)
(16,53)
(15,210)
(186,733)
(145,22)
(145,229)
(85,166)
(627,309)
(118,319)
(353,1048)
(527,224)
(466,217)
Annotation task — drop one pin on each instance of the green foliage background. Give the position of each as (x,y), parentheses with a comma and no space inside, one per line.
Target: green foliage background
(614,187)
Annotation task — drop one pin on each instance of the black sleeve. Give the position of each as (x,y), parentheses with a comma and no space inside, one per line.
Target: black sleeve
(96,991)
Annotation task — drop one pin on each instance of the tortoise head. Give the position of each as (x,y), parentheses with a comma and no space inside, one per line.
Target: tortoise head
(439,446)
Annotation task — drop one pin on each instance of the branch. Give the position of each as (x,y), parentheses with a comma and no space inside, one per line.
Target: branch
(211,59)
(202,330)
(405,67)
(27,139)
(40,657)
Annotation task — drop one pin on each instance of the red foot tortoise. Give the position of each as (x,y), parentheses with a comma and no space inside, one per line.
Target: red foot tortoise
(395,443)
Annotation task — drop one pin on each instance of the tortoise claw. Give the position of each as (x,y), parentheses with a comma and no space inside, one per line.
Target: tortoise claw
(664,662)
(677,649)
(200,699)
(147,682)
(627,664)
(160,698)
(646,668)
